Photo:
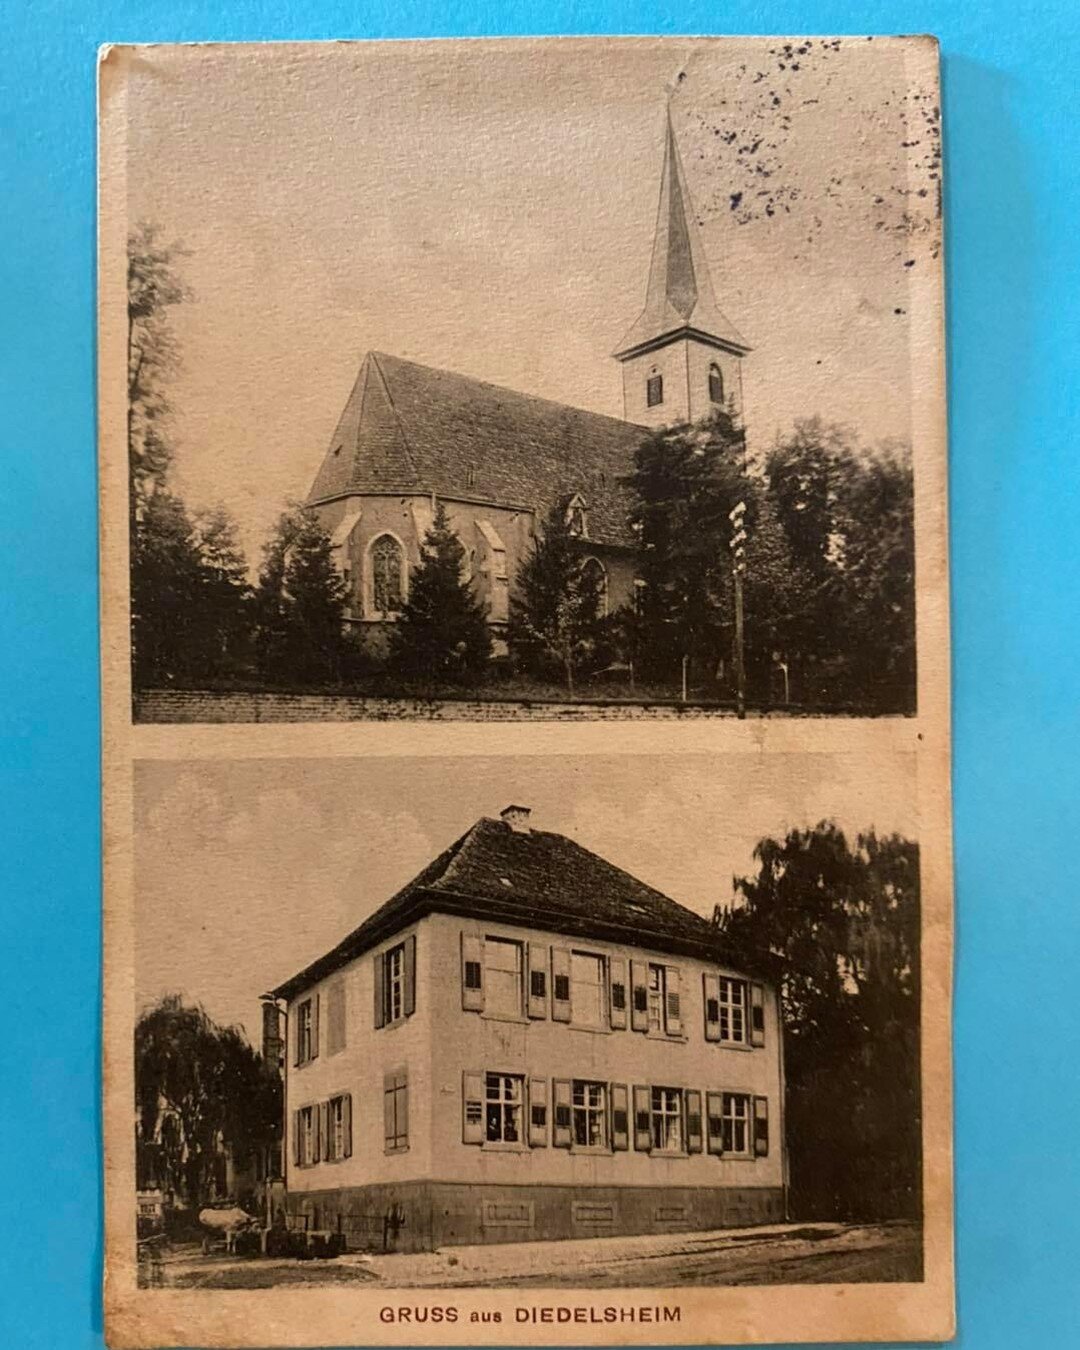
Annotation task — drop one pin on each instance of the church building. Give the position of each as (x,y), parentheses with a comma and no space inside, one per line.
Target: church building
(499,460)
(528,1043)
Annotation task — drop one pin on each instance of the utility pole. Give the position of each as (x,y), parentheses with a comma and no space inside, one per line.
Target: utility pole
(737,516)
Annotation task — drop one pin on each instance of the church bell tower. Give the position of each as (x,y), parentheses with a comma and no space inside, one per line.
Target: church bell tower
(682,358)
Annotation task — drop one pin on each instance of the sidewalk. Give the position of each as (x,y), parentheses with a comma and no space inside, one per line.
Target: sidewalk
(484,1264)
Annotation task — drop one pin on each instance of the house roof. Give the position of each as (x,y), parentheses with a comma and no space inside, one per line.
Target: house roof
(413,428)
(535,879)
(679,296)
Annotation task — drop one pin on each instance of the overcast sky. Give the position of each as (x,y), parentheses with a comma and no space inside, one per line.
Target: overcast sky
(490,211)
(246,870)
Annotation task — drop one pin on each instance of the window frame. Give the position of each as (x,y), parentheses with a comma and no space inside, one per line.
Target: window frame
(654,389)
(717,375)
(506,1103)
(730,1121)
(372,589)
(603,1010)
(732,1010)
(588,1112)
(307,1128)
(660,1113)
(499,1014)
(337,1116)
(306,1049)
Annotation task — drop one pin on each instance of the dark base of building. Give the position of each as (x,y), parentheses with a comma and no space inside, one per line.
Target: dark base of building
(422,1215)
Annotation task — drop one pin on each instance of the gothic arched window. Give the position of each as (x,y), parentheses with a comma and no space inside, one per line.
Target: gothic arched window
(595,574)
(654,388)
(716,384)
(387,575)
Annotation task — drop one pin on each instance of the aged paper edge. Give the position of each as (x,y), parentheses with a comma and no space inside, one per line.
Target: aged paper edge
(726,1314)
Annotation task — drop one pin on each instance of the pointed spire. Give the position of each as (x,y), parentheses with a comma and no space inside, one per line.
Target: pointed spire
(679,294)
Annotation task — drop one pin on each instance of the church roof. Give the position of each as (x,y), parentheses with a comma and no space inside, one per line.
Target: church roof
(679,294)
(535,879)
(413,428)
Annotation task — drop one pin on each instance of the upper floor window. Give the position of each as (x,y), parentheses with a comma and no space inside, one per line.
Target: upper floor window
(588,985)
(335,1017)
(503,966)
(395,982)
(716,384)
(656,997)
(307,1030)
(654,390)
(732,1010)
(387,575)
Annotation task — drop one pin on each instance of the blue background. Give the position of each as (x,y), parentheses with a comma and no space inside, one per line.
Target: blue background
(1013,201)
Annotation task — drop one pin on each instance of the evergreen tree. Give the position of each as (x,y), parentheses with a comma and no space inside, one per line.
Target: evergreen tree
(300,603)
(442,631)
(686,480)
(166,589)
(224,601)
(555,622)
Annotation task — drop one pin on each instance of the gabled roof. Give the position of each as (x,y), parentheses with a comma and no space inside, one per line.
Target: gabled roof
(680,294)
(534,879)
(413,428)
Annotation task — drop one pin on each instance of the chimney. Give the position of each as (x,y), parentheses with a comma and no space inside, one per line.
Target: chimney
(272,1047)
(517,817)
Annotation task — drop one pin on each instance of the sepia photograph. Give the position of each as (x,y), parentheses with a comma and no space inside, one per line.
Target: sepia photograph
(609,1022)
(527,380)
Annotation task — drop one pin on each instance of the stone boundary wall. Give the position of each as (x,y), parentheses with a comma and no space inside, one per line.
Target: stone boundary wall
(194,705)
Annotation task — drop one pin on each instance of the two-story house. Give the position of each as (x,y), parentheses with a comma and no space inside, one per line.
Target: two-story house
(526,1042)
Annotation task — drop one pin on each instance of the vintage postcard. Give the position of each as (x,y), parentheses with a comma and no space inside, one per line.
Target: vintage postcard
(528,901)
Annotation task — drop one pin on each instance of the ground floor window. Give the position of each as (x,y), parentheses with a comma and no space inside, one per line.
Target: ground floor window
(736,1123)
(339,1128)
(667,1121)
(306,1138)
(589,1114)
(396,1112)
(504,1096)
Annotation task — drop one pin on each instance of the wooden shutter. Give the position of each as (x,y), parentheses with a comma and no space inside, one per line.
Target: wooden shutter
(315,1027)
(618,994)
(472,972)
(642,1118)
(401,1100)
(694,1139)
(325,1149)
(620,1117)
(297,1155)
(560,984)
(757,1014)
(639,989)
(563,1126)
(672,1002)
(410,975)
(389,1124)
(379,967)
(536,990)
(538,1113)
(472,1107)
(297,1051)
(346,1125)
(761,1127)
(710,992)
(714,1122)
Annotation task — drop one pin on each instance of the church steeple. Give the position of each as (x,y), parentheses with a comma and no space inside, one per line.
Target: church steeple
(682,355)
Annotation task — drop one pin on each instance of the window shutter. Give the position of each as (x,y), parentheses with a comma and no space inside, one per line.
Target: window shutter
(617,994)
(757,1014)
(620,1117)
(714,1124)
(536,1000)
(642,1119)
(346,1127)
(297,1051)
(472,1107)
(297,1153)
(560,984)
(538,1112)
(710,985)
(315,1027)
(402,1097)
(563,1133)
(672,1002)
(693,1121)
(472,972)
(639,1007)
(761,1127)
(410,975)
(379,967)
(326,1150)
(389,1128)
